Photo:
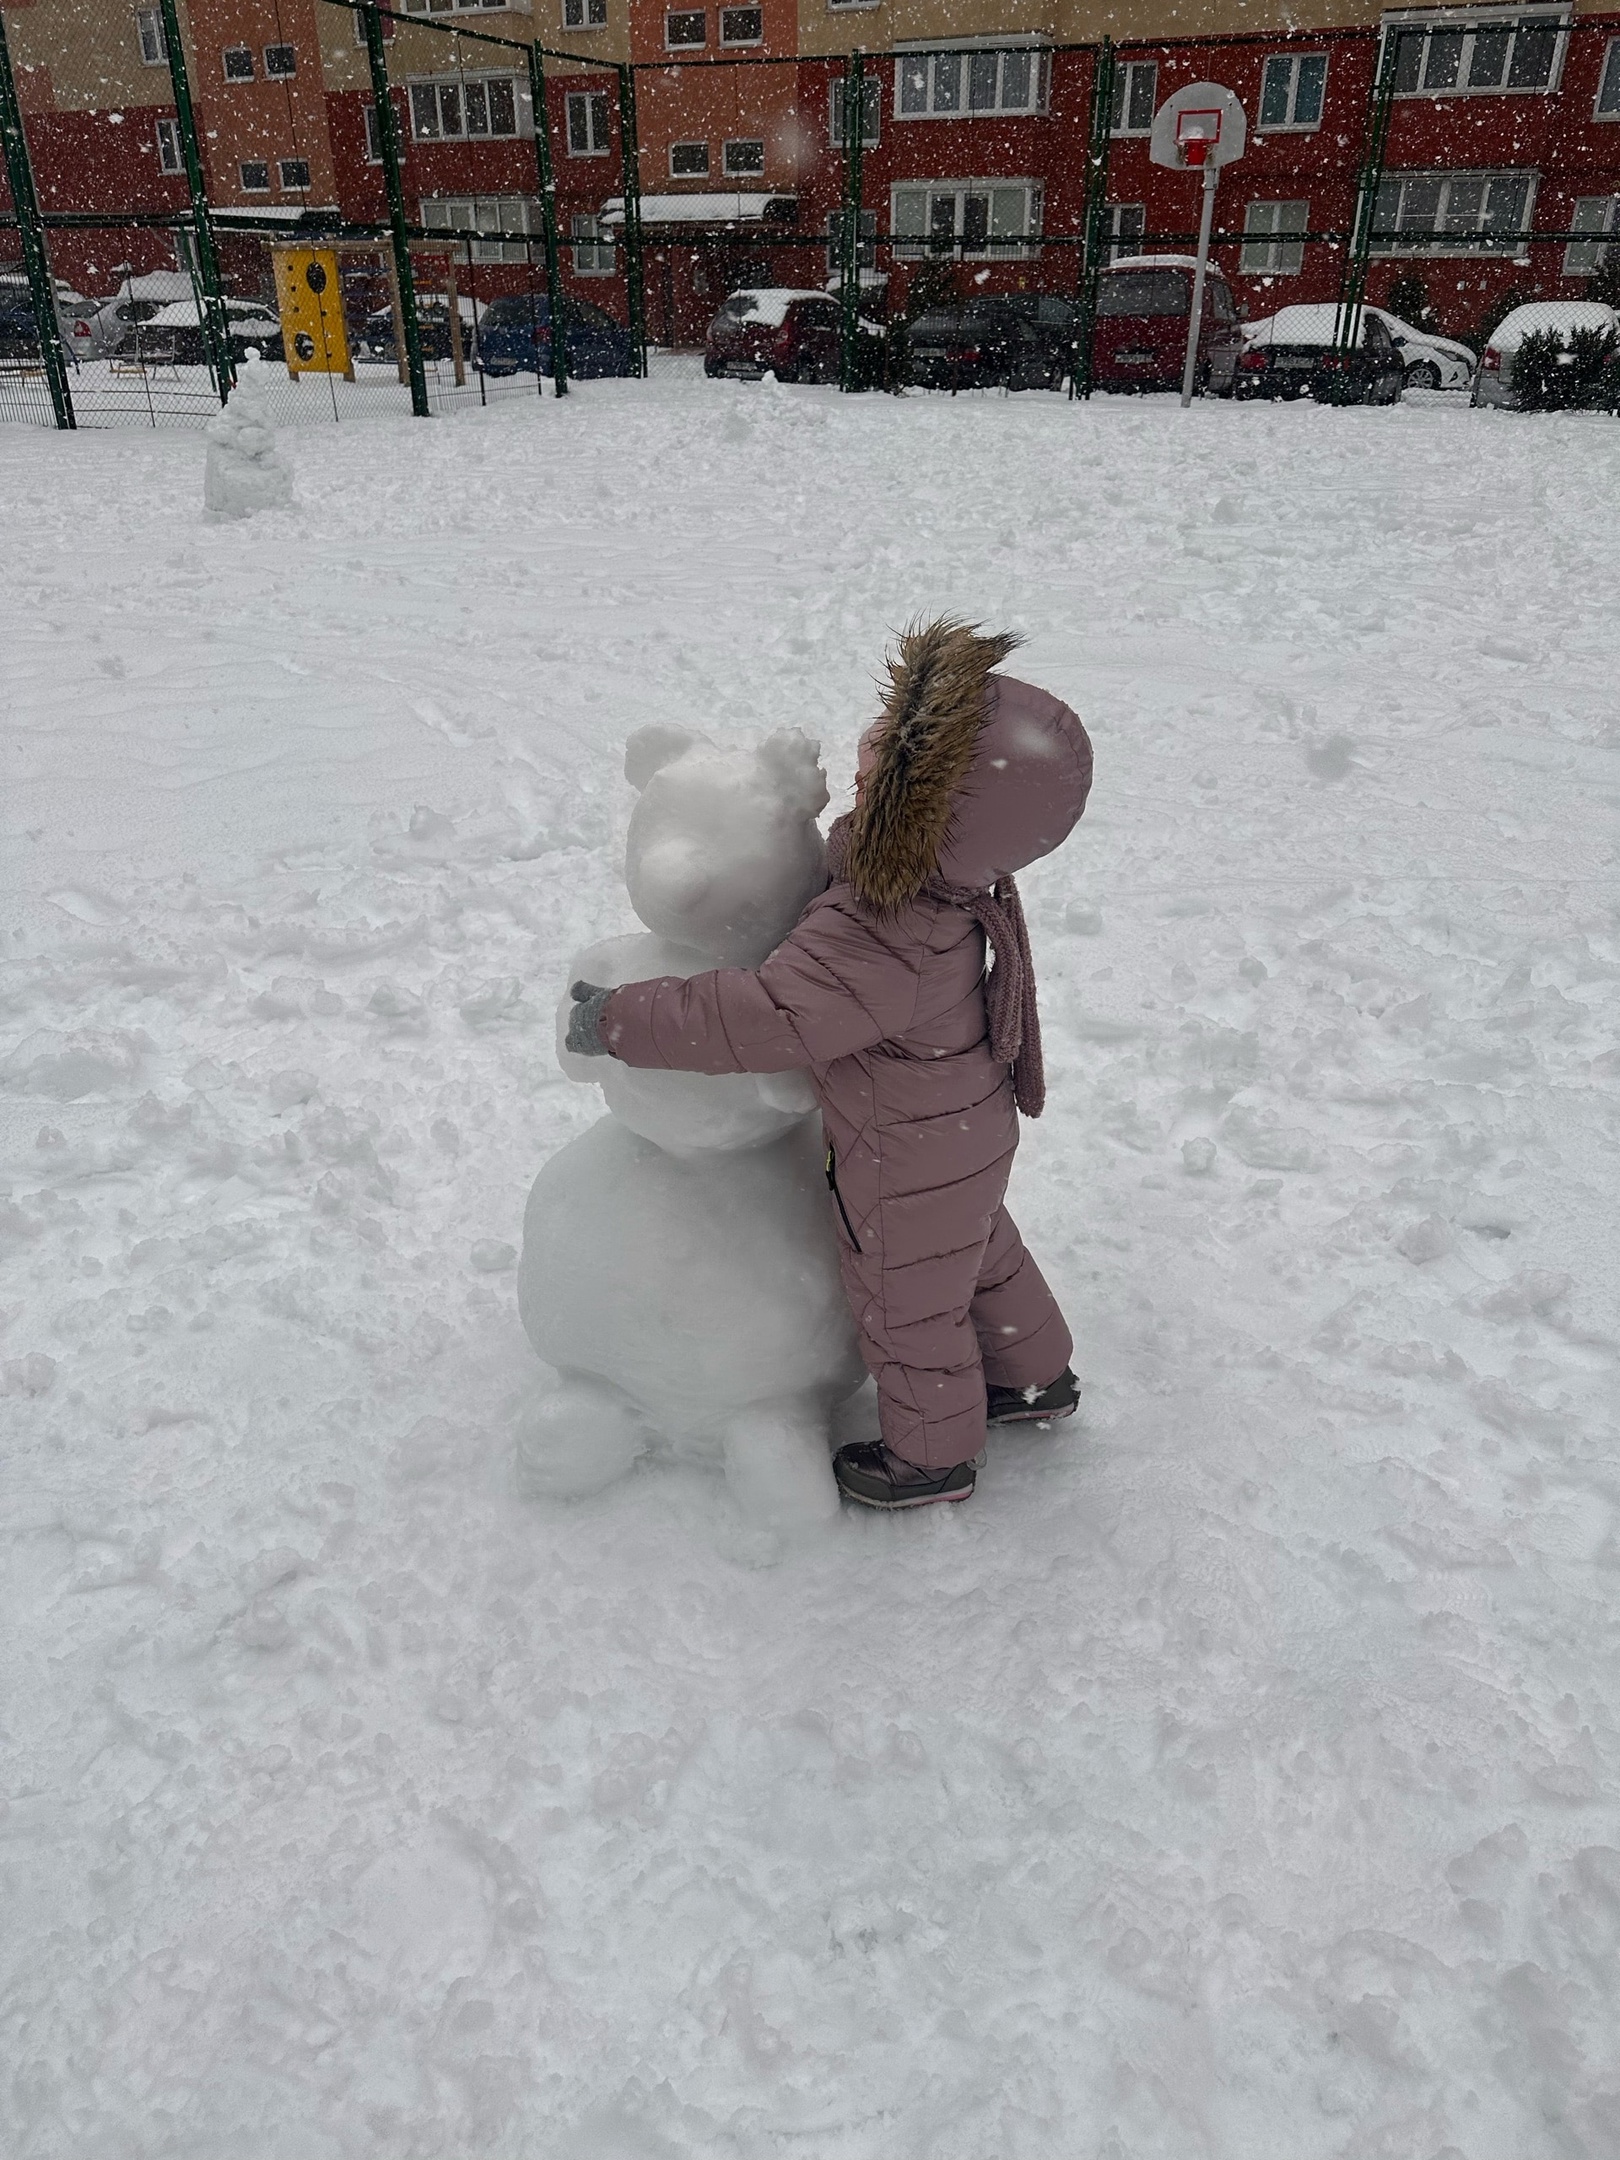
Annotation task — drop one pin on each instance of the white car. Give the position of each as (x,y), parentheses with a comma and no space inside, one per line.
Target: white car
(1493,384)
(1432,362)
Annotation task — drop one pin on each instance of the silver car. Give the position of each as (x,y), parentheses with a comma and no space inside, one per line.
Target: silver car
(1493,383)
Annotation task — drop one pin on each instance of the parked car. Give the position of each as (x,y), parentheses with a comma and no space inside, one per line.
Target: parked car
(16,303)
(19,333)
(796,335)
(1493,381)
(1139,342)
(990,343)
(1294,354)
(1432,362)
(173,336)
(514,336)
(102,327)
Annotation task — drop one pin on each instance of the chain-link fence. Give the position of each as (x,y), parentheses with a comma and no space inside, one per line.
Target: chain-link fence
(400,215)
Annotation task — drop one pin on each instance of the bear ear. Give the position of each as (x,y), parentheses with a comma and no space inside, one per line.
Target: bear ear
(794,763)
(650,749)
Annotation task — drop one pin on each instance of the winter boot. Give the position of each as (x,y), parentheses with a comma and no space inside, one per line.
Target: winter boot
(867,1472)
(1031,1405)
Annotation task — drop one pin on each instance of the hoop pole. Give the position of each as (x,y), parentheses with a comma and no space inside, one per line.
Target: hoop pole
(548,223)
(394,182)
(1089,266)
(36,258)
(849,314)
(1189,372)
(215,321)
(630,184)
(1358,255)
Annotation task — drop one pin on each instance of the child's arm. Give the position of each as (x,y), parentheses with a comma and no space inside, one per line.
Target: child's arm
(838,983)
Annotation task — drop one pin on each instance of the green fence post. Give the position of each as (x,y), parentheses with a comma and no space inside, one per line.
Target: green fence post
(36,261)
(548,221)
(1358,254)
(388,142)
(1099,143)
(205,277)
(849,292)
(630,163)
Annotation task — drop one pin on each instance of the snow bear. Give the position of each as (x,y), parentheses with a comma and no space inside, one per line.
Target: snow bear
(679,1267)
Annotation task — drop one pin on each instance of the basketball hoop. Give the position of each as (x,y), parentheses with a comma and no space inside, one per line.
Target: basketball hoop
(1199,128)
(1198,132)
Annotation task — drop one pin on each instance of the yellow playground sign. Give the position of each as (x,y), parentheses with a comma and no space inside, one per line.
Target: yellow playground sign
(310,299)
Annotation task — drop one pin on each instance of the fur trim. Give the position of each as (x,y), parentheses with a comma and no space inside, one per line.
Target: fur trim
(932,712)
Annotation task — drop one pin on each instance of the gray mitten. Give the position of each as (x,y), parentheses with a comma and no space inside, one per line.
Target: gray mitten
(584,1036)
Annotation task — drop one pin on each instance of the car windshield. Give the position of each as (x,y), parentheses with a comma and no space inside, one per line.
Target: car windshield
(1143,292)
(517,311)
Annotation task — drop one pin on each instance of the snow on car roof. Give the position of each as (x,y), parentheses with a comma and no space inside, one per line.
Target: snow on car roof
(1560,315)
(1306,323)
(770,303)
(182,314)
(1155,262)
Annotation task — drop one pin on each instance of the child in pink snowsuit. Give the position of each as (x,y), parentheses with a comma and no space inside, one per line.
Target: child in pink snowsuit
(919,1062)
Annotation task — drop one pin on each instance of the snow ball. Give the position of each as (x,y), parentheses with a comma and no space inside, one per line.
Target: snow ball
(1199,1156)
(491,1256)
(1423,1241)
(1330,759)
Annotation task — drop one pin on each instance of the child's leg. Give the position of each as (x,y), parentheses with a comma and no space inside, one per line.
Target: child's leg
(1021,1334)
(917,1338)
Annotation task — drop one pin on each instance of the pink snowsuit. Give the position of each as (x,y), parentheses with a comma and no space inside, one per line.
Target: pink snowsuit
(886,1009)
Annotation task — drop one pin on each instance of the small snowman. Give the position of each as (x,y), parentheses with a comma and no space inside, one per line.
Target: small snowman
(244,471)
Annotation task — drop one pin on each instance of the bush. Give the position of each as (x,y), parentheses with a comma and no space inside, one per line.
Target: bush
(1409,299)
(1550,376)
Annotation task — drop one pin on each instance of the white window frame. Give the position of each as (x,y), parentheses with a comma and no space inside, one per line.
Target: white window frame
(231,52)
(871,112)
(248,187)
(1120,241)
(1606,105)
(693,45)
(170,157)
(733,44)
(922,243)
(594,256)
(584,14)
(592,105)
(488,214)
(1127,75)
(1429,239)
(1465,24)
(1600,216)
(1273,239)
(421,87)
(149,36)
(280,74)
(700,172)
(446,7)
(934,64)
(1291,124)
(750,171)
(294,187)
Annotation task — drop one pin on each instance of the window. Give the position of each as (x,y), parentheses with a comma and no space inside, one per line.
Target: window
(373,136)
(295,174)
(743,160)
(444,7)
(871,112)
(1274,257)
(1599,214)
(1608,97)
(742,26)
(472,105)
(865,241)
(508,215)
(965,84)
(1136,97)
(1291,90)
(149,30)
(688,160)
(359,20)
(593,251)
(966,217)
(584,14)
(280,61)
(587,123)
(238,63)
(1465,55)
(256,177)
(1127,222)
(168,147)
(689,27)
(1450,212)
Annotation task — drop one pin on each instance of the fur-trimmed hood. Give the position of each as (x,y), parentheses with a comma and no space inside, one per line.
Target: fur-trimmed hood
(972,775)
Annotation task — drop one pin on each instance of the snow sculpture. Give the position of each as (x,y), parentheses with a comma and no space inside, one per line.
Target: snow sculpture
(679,1267)
(244,471)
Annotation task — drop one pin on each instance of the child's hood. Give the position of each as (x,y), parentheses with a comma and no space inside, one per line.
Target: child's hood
(970,775)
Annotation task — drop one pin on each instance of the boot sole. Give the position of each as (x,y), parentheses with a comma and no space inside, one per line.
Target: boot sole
(889,1507)
(1032,1417)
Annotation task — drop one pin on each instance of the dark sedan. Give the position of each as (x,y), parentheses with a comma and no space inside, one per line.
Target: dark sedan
(514,337)
(986,344)
(1295,353)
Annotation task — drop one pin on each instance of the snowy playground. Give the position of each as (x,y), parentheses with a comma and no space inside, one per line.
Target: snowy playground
(1236,1777)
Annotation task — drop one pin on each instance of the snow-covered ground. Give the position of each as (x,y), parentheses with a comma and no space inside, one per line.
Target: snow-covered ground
(1237,1776)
